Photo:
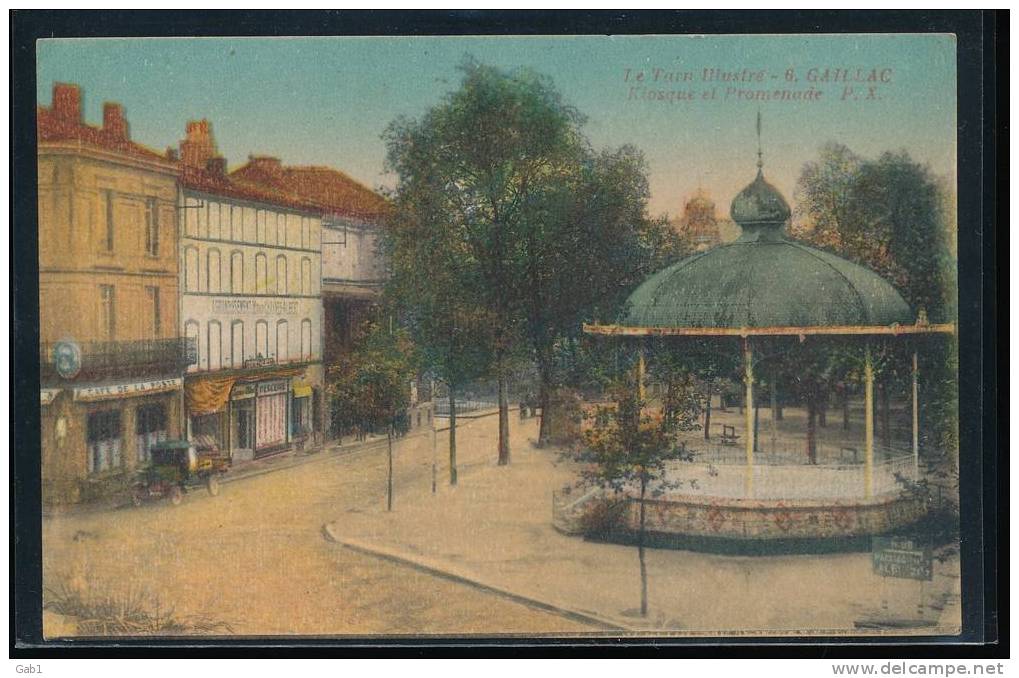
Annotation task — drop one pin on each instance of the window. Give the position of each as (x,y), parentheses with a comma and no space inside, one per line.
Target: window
(261,274)
(214,229)
(236,272)
(237,343)
(215,346)
(262,339)
(151,227)
(270,228)
(305,232)
(236,223)
(281,230)
(306,339)
(281,275)
(103,433)
(150,428)
(190,269)
(282,341)
(260,226)
(107,312)
(213,270)
(191,333)
(157,325)
(306,276)
(108,220)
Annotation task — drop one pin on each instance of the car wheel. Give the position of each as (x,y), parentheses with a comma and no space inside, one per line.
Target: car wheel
(176,495)
(212,483)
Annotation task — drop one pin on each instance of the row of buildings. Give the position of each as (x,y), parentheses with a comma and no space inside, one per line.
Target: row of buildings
(180,299)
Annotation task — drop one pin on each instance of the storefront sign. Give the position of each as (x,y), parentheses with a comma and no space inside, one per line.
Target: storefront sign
(272,387)
(260,362)
(243,391)
(126,390)
(901,558)
(47,395)
(255,306)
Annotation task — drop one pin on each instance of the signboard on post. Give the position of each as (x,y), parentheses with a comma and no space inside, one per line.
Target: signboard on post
(901,558)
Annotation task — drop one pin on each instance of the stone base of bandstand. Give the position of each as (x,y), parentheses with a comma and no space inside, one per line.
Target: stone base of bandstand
(755,526)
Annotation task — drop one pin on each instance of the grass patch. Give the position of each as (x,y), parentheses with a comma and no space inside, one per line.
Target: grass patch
(103,612)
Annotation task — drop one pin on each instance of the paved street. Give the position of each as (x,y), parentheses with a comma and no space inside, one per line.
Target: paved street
(256,557)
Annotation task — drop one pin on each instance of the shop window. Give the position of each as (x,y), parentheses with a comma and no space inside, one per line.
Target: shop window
(103,438)
(150,428)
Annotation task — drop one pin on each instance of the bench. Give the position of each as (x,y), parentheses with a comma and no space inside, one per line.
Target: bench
(729,435)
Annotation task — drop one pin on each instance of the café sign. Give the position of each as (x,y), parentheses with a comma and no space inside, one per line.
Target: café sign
(89,393)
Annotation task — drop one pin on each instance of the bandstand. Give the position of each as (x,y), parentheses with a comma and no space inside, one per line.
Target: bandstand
(757,291)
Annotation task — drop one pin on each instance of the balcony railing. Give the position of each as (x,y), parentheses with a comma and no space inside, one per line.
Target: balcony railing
(101,360)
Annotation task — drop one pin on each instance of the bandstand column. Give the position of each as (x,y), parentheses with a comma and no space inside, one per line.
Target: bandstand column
(868,424)
(916,418)
(640,373)
(748,377)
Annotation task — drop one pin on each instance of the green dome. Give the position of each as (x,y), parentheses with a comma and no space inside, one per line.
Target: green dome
(764,280)
(761,204)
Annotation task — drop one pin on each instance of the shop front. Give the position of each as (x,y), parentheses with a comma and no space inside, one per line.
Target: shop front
(95,436)
(252,414)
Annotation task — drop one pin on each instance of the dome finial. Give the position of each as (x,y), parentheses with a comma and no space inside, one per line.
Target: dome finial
(760,155)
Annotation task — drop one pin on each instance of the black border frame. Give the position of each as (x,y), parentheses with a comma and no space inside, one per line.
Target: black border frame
(982,109)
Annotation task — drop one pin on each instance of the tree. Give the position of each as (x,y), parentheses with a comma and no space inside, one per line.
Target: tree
(891,215)
(549,233)
(372,381)
(429,272)
(629,448)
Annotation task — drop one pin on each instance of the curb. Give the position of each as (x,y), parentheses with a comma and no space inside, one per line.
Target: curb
(435,570)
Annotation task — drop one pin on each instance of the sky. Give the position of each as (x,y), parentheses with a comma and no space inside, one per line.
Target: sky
(690,103)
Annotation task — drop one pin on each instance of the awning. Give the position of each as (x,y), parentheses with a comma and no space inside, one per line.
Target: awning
(210,395)
(302,389)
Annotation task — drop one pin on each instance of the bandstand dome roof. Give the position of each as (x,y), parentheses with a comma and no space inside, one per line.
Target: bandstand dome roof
(764,280)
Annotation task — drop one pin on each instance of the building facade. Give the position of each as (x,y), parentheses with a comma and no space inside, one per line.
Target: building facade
(353,267)
(110,354)
(250,281)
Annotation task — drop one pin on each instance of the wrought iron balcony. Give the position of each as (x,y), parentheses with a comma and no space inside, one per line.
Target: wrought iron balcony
(120,359)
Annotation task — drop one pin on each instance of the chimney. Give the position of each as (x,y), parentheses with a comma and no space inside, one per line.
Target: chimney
(198,146)
(171,154)
(217,166)
(67,102)
(114,123)
(266,164)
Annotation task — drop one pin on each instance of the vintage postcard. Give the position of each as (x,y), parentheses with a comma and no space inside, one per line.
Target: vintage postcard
(380,337)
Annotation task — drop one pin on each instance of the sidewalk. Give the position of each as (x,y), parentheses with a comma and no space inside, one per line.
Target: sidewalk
(494,531)
(251,469)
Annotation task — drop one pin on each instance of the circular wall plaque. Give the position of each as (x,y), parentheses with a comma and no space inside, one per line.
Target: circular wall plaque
(67,358)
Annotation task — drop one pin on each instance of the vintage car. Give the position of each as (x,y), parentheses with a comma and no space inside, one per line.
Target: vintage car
(175,466)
